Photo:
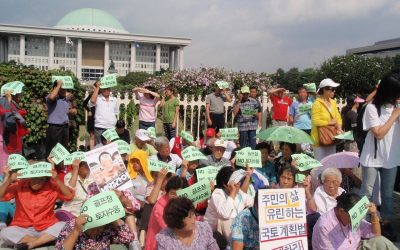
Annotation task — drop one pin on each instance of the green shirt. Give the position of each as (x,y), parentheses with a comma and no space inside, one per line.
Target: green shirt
(169,110)
(148,148)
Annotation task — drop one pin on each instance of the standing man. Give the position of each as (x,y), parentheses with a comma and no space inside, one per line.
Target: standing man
(58,108)
(248,114)
(170,110)
(300,111)
(280,105)
(107,110)
(215,109)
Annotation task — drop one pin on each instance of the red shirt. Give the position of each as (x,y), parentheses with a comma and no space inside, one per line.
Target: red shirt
(280,106)
(34,209)
(177,148)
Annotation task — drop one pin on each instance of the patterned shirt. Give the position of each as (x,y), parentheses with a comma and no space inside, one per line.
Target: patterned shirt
(247,118)
(109,235)
(245,229)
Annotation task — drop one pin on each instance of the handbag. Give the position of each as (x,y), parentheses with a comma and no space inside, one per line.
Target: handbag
(326,134)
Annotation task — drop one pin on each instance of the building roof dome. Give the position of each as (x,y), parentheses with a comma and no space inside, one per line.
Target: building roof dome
(93,20)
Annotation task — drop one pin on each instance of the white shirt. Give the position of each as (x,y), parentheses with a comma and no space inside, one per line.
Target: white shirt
(175,161)
(106,112)
(223,207)
(81,189)
(324,201)
(387,154)
(230,146)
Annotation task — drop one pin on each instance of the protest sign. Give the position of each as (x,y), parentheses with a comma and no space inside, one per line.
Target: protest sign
(229,133)
(249,112)
(107,168)
(358,212)
(207,173)
(192,154)
(222,84)
(67,82)
(346,136)
(110,134)
(305,162)
(282,218)
(102,209)
(151,132)
(156,166)
(123,147)
(40,169)
(15,87)
(310,87)
(74,156)
(300,178)
(58,153)
(187,136)
(108,81)
(17,161)
(250,157)
(197,192)
(304,108)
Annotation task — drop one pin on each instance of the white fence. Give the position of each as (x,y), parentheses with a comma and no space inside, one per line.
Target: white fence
(192,111)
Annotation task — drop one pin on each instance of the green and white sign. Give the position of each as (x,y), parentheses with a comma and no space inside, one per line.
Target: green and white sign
(192,154)
(249,112)
(304,108)
(310,87)
(346,136)
(222,84)
(229,133)
(15,87)
(208,173)
(74,156)
(151,132)
(358,212)
(67,82)
(58,153)
(102,209)
(123,147)
(40,169)
(305,162)
(110,134)
(249,157)
(108,81)
(17,161)
(187,136)
(300,178)
(158,165)
(197,192)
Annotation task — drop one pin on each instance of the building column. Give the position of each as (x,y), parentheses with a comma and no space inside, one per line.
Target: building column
(106,56)
(2,50)
(133,57)
(79,59)
(158,57)
(22,49)
(181,58)
(172,59)
(51,53)
(176,59)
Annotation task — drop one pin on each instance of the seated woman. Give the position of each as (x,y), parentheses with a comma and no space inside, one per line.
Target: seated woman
(156,222)
(188,169)
(325,195)
(285,160)
(183,230)
(268,169)
(227,201)
(245,229)
(34,223)
(333,230)
(117,232)
(79,180)
(164,153)
(139,172)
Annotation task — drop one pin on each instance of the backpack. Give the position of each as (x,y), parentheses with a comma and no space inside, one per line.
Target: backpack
(361,134)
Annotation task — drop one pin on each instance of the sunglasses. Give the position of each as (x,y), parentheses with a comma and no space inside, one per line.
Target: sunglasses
(330,88)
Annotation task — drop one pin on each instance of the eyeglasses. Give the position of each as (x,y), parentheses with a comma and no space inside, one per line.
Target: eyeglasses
(330,88)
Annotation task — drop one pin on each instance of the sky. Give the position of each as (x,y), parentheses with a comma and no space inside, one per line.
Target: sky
(249,35)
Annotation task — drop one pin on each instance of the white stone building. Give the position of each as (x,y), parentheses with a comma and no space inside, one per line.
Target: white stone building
(95,39)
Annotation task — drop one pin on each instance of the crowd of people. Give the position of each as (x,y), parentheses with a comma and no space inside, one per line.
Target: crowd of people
(46,210)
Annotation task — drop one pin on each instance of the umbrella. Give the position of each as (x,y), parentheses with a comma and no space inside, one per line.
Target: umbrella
(285,134)
(339,160)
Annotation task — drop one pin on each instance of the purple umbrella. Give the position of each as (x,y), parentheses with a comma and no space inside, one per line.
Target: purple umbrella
(339,160)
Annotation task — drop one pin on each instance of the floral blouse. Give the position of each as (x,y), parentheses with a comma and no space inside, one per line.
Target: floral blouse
(110,235)
(203,240)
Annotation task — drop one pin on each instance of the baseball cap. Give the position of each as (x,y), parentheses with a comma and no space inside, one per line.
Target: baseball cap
(142,135)
(327,82)
(210,132)
(220,143)
(245,89)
